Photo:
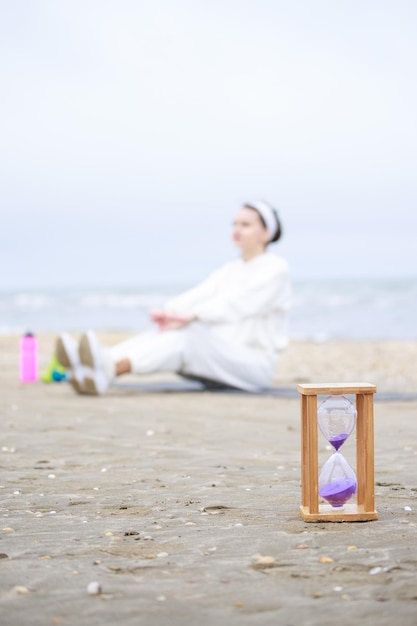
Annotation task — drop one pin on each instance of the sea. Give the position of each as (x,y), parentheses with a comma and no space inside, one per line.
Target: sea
(322,309)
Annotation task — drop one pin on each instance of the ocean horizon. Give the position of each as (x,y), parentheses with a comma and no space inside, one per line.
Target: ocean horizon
(323,309)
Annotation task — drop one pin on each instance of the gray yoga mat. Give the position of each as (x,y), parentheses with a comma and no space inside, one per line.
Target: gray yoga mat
(188,385)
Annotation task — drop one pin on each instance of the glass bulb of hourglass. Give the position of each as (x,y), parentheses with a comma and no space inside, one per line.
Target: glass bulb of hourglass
(336,418)
(337,481)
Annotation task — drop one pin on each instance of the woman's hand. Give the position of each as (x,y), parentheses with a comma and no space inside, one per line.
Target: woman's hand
(171,321)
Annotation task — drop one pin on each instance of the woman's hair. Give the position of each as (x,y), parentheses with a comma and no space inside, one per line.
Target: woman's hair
(278,231)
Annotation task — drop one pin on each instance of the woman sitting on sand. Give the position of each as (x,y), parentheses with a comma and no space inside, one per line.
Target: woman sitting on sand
(228,330)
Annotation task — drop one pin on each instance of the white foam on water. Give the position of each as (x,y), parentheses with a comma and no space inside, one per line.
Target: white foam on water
(322,310)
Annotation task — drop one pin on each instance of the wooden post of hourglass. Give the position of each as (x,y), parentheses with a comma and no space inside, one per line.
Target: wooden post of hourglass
(364,509)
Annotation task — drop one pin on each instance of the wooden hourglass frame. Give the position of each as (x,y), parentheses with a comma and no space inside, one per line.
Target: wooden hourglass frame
(364,509)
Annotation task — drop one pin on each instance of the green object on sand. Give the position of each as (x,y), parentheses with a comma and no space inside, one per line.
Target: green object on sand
(55,372)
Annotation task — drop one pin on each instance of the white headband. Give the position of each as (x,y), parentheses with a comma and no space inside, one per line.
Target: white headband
(268,216)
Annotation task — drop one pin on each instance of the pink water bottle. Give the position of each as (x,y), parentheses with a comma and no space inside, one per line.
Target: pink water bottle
(28,358)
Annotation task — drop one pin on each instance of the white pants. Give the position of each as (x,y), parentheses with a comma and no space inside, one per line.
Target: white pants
(196,352)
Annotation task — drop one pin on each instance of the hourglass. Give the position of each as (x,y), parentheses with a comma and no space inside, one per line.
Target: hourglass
(337,480)
(337,484)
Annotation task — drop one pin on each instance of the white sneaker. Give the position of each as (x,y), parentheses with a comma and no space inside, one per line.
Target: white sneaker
(67,354)
(101,366)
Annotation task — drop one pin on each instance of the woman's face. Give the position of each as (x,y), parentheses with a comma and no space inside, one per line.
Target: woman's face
(249,234)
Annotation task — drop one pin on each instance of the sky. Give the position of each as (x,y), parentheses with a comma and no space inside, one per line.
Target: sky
(131,131)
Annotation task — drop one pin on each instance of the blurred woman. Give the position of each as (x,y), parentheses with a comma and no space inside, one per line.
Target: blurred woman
(228,330)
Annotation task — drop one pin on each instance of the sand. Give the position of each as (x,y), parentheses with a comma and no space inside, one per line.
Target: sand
(172,502)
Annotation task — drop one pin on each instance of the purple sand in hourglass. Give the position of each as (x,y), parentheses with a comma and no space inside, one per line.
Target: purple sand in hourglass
(338,492)
(338,441)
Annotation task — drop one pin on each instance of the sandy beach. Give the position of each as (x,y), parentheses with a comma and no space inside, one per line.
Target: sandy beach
(171,500)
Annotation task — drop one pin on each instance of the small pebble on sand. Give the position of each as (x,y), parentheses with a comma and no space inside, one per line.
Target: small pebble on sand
(23,591)
(264,562)
(94,588)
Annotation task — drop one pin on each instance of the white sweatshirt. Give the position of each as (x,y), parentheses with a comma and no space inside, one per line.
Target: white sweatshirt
(244,302)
